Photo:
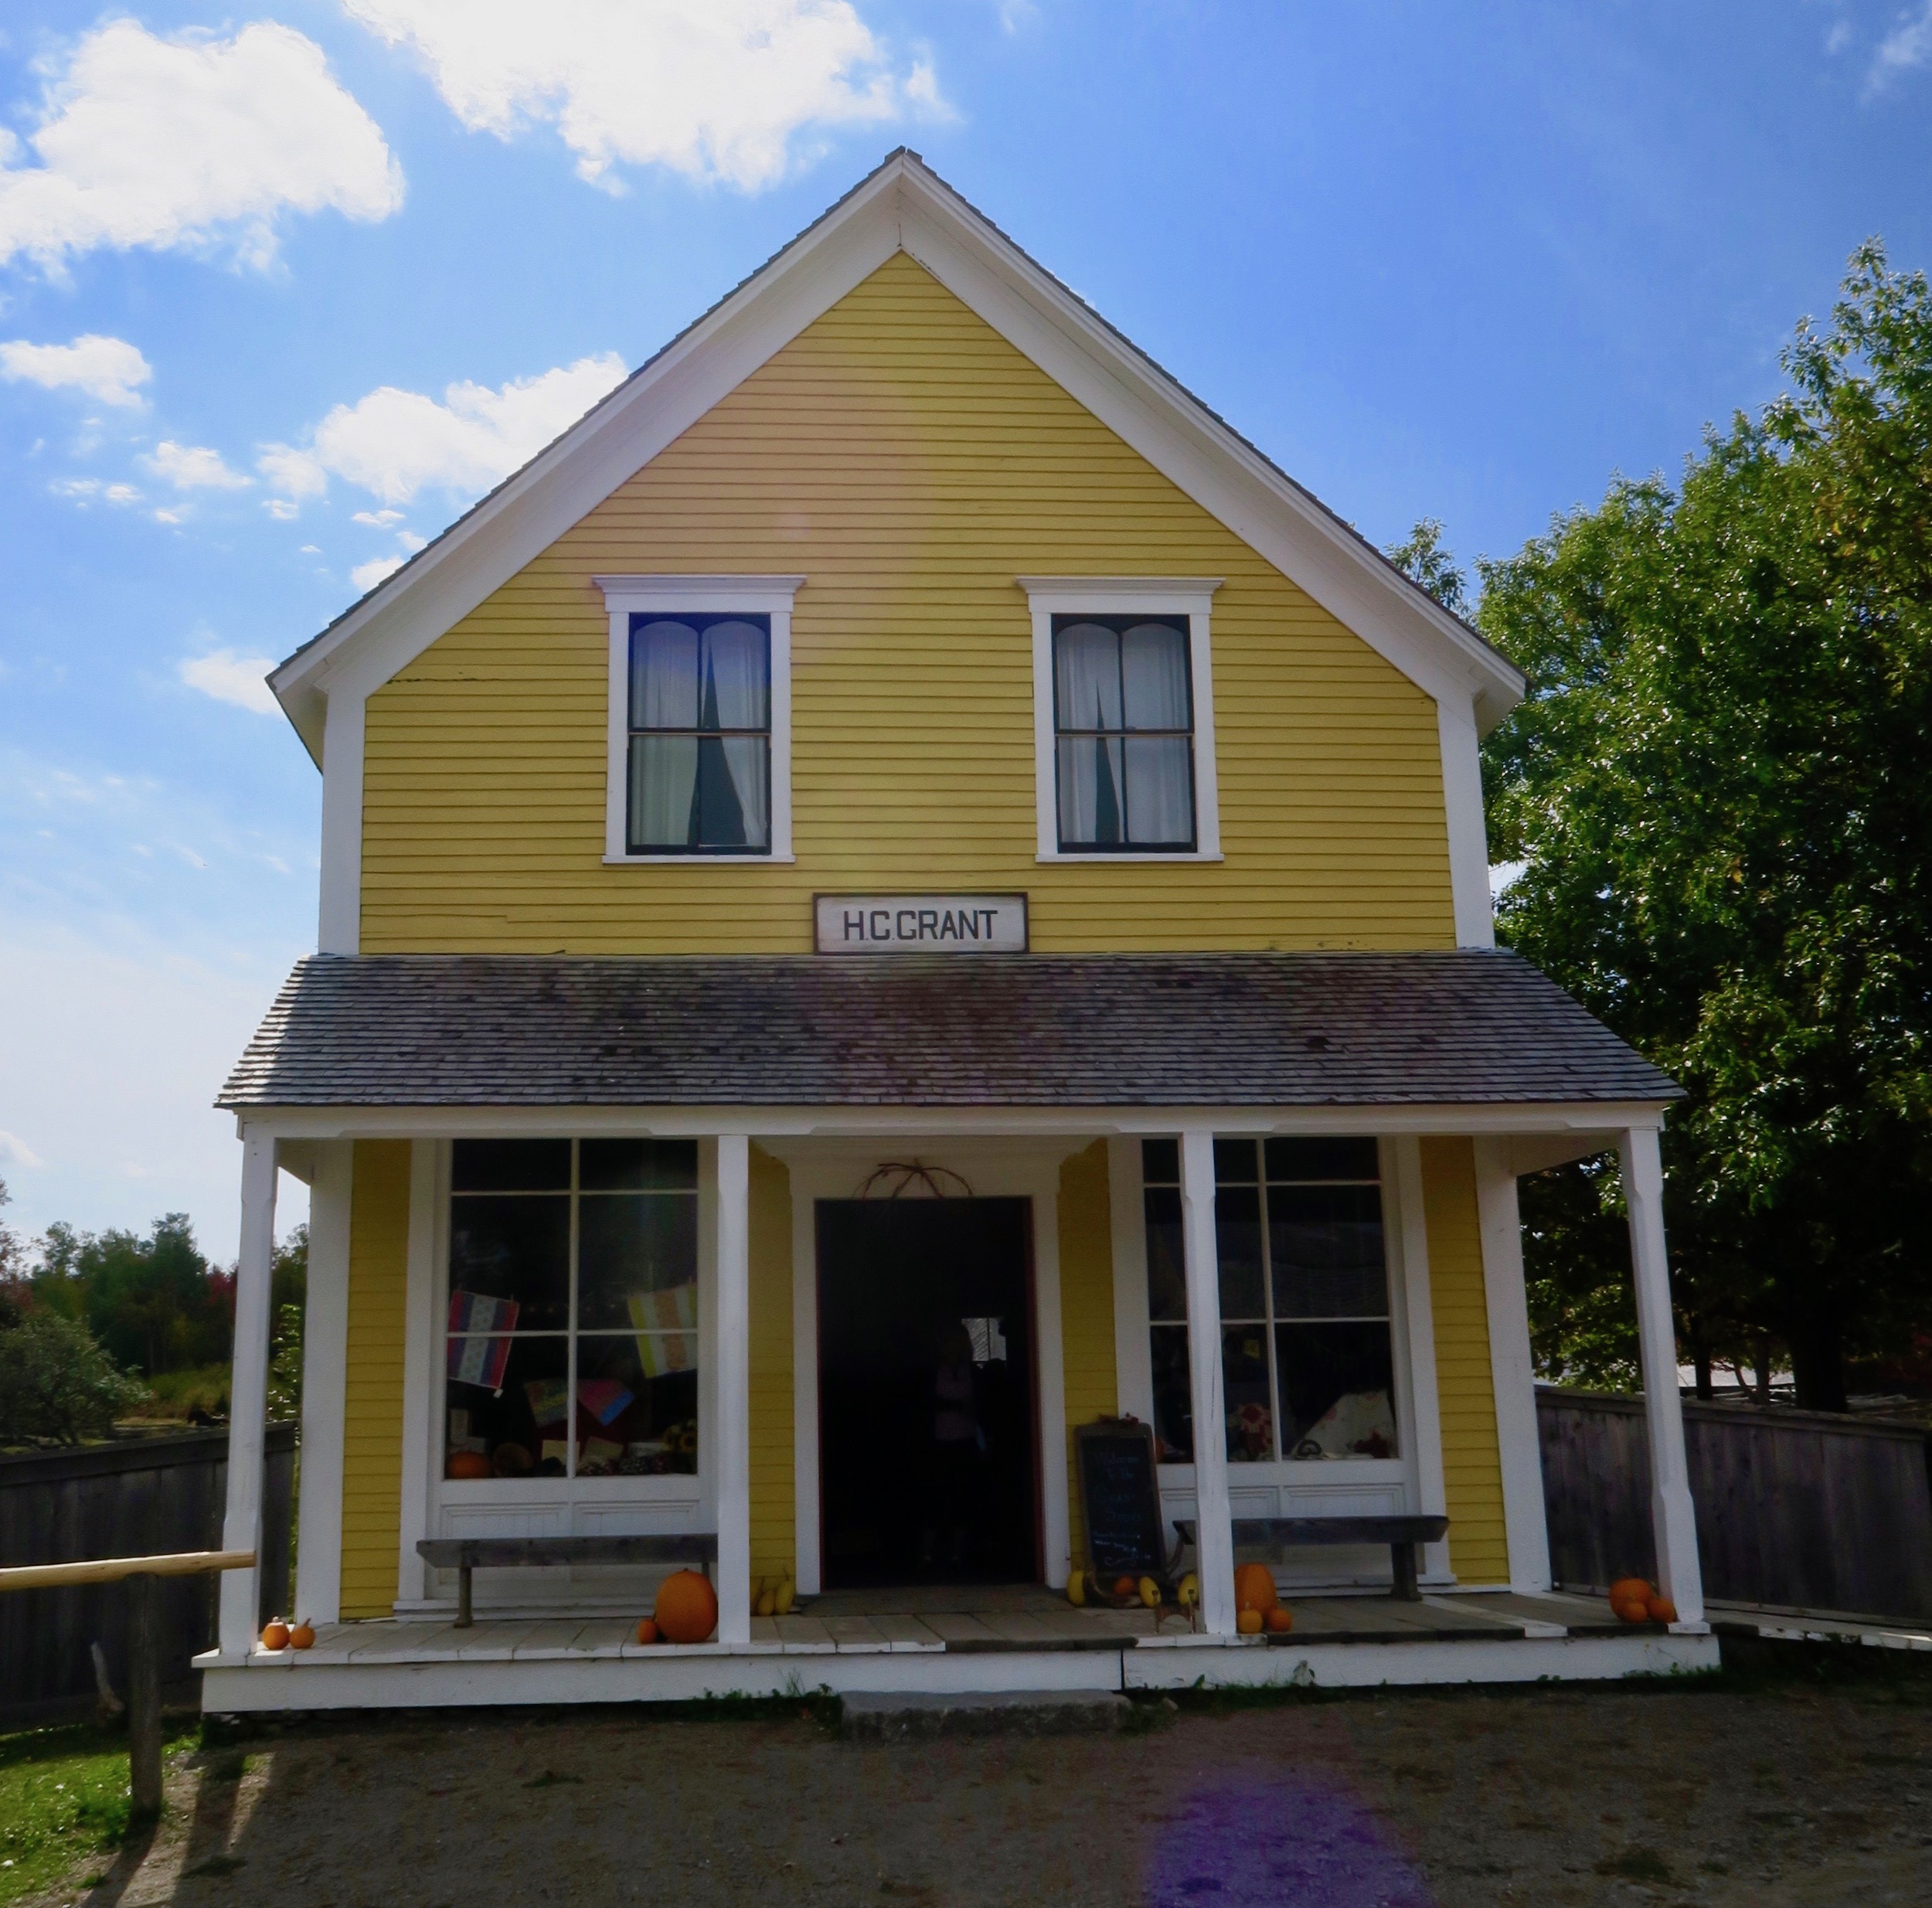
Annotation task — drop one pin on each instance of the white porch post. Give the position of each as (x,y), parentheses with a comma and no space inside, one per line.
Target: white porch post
(248,1390)
(734,1432)
(319,1551)
(1672,1519)
(1212,1516)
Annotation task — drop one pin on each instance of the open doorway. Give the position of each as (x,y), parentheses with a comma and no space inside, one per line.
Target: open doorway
(927,1469)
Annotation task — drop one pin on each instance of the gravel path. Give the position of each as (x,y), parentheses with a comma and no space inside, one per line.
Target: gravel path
(1793,1797)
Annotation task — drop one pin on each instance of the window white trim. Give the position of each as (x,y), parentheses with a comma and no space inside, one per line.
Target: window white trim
(1191,596)
(751,595)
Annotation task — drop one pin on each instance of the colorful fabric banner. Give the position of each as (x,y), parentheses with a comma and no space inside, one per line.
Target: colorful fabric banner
(474,1359)
(549,1400)
(667,1324)
(603,1398)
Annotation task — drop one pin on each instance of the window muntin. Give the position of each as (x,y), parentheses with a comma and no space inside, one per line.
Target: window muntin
(1123,733)
(571,1341)
(698,773)
(1307,1356)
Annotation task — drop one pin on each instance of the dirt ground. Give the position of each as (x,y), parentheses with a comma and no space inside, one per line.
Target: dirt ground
(1794,1791)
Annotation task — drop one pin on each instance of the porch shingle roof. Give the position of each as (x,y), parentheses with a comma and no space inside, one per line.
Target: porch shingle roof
(1098,1030)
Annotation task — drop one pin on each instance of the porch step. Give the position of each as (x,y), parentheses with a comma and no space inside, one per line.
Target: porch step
(903,1718)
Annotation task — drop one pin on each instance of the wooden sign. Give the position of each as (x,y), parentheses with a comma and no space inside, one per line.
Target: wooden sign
(921,923)
(1120,1493)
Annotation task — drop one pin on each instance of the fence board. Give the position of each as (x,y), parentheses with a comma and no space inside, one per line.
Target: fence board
(142,1497)
(1804,1509)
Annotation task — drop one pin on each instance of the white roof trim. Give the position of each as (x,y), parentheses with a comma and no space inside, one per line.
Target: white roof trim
(902,205)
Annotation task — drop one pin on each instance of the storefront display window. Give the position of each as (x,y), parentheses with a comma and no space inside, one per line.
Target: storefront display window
(572,1342)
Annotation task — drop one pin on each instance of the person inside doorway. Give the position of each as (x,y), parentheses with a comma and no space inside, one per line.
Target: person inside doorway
(958,1450)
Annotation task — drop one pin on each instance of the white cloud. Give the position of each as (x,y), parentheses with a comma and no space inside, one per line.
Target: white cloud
(190,142)
(713,89)
(194,466)
(293,475)
(396,443)
(106,369)
(365,576)
(1908,45)
(84,490)
(411,542)
(15,1151)
(281,509)
(229,677)
(377,519)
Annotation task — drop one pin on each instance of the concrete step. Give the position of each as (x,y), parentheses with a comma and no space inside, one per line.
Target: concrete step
(908,1717)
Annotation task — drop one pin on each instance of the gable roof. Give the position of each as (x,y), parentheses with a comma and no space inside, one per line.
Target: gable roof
(901,205)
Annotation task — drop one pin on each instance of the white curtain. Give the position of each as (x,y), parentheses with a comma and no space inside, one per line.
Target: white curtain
(1089,791)
(747,760)
(1160,795)
(1153,664)
(664,676)
(1086,662)
(735,675)
(664,774)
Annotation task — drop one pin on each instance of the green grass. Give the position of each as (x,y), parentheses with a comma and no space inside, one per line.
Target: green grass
(63,1795)
(177,1393)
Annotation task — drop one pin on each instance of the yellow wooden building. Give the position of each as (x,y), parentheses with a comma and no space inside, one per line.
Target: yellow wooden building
(899,892)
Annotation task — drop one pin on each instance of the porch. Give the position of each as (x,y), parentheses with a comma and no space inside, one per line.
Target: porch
(944,1639)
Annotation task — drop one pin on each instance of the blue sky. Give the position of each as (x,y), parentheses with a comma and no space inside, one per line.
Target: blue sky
(282,288)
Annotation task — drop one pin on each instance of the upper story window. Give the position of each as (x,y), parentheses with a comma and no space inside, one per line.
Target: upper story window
(1123,732)
(698,763)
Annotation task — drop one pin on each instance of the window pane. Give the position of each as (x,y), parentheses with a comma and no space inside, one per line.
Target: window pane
(1173,1395)
(735,670)
(664,675)
(1160,791)
(510,1165)
(1322,1159)
(517,1426)
(1090,792)
(1244,1372)
(1086,677)
(1166,1268)
(516,1248)
(638,1165)
(1160,1162)
(1237,1232)
(1337,1385)
(637,1260)
(664,780)
(1154,666)
(636,1412)
(747,759)
(1235,1163)
(1326,1243)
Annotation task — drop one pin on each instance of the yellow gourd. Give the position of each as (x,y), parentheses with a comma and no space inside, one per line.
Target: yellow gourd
(1150,1593)
(781,1601)
(1076,1587)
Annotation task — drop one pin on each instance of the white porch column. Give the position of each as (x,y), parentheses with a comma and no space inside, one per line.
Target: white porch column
(1672,1519)
(733,1431)
(248,1390)
(319,1551)
(1212,1516)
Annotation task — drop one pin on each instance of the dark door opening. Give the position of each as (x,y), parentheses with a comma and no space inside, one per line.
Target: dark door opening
(925,1392)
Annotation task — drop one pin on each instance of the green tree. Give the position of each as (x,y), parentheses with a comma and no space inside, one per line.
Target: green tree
(14,1299)
(1717,788)
(1423,559)
(154,1303)
(56,1384)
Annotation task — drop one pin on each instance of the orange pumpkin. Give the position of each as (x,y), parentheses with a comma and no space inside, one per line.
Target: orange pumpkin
(275,1634)
(1631,1610)
(1248,1623)
(647,1630)
(467,1463)
(687,1609)
(1125,1588)
(1254,1588)
(1279,1620)
(1660,1609)
(1628,1589)
(301,1636)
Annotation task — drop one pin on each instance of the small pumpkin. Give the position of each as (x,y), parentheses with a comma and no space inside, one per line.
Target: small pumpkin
(1631,1610)
(1124,1589)
(302,1635)
(1660,1609)
(275,1634)
(1279,1620)
(468,1464)
(1248,1622)
(1254,1588)
(647,1630)
(1629,1589)
(687,1609)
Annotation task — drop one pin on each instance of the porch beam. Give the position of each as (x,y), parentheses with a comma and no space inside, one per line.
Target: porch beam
(1673,1518)
(734,1432)
(1213,1514)
(248,1390)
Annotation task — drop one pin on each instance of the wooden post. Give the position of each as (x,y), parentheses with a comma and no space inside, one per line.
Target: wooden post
(143,1691)
(1673,1519)
(1214,1529)
(248,1391)
(733,1390)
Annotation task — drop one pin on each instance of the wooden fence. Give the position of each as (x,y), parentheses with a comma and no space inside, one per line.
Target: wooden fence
(1800,1510)
(137,1496)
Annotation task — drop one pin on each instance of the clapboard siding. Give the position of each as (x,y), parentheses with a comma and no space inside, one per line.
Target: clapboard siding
(1086,1313)
(1465,1383)
(373,1421)
(1801,1510)
(910,462)
(774,1520)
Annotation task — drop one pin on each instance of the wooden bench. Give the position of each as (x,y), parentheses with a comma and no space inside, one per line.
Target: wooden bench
(465,1554)
(1401,1534)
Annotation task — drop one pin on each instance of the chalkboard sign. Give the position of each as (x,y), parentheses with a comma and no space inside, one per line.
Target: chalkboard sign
(1120,1495)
